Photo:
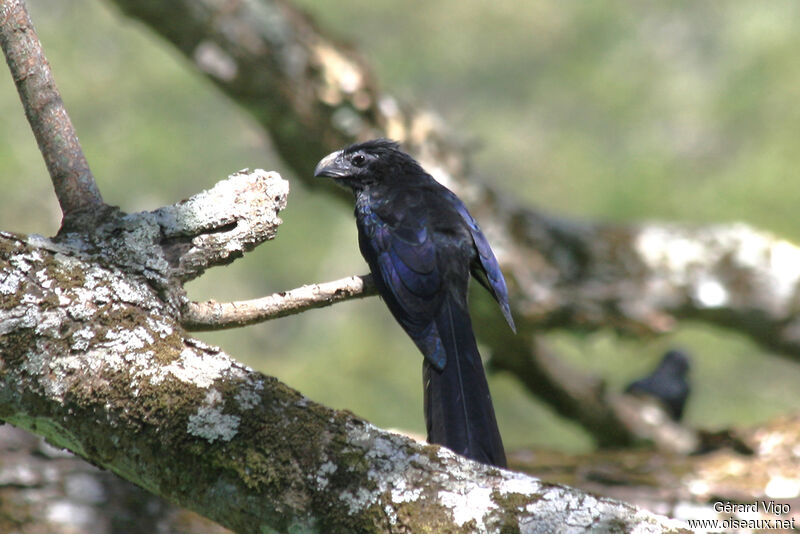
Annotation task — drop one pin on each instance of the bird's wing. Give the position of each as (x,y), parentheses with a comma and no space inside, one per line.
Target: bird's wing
(487,271)
(399,248)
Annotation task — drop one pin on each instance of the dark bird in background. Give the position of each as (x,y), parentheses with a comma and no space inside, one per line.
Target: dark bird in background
(668,383)
(421,245)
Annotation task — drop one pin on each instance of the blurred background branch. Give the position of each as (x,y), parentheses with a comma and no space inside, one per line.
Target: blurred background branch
(565,274)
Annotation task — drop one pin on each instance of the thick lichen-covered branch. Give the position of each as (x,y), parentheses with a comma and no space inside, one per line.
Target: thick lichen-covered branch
(94,360)
(176,243)
(69,171)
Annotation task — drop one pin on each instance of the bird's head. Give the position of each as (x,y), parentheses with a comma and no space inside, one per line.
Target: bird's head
(676,361)
(364,164)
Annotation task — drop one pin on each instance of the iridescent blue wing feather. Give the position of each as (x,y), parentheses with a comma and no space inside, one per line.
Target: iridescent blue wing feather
(488,272)
(402,252)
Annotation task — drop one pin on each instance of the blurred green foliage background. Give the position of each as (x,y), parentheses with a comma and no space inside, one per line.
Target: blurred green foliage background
(618,111)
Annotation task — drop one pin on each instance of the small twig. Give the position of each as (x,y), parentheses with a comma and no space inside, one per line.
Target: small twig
(73,181)
(211,315)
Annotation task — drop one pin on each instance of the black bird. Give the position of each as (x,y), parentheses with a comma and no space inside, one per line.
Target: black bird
(421,245)
(667,383)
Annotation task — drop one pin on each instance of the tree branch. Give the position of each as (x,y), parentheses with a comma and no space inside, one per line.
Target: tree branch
(93,359)
(177,243)
(738,465)
(212,315)
(69,171)
(217,226)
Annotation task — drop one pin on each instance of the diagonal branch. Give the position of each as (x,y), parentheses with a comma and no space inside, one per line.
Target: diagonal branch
(69,171)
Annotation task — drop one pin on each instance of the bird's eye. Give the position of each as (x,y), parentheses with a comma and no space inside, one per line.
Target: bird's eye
(358,160)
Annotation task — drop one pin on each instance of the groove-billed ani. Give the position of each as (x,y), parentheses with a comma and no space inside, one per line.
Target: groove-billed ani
(421,245)
(667,383)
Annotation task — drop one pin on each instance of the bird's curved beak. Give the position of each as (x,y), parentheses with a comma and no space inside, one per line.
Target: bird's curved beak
(330,166)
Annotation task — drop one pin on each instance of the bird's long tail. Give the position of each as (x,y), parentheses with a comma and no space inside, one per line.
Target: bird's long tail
(458,407)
